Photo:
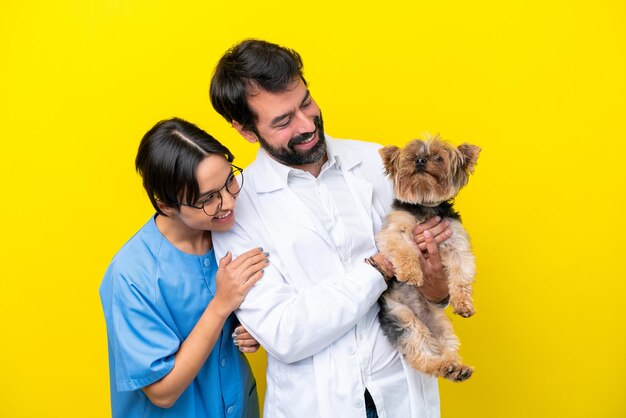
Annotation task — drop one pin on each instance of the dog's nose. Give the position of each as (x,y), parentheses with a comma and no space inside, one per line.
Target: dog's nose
(420,162)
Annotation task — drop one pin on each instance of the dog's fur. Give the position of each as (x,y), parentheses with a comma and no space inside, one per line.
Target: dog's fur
(427,175)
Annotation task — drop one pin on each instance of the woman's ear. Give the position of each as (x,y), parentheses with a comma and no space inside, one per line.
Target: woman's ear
(246,133)
(167,210)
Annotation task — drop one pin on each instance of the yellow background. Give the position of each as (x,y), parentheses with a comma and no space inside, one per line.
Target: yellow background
(540,85)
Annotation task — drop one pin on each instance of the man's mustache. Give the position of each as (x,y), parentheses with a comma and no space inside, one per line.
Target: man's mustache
(307,135)
(301,138)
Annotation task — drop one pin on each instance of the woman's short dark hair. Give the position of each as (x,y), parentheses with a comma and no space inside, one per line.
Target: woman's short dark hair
(248,66)
(168,157)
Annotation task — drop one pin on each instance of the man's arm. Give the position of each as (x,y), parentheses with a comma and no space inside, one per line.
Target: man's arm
(293,324)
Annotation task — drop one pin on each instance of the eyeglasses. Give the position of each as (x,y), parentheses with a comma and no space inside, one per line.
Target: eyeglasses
(212,203)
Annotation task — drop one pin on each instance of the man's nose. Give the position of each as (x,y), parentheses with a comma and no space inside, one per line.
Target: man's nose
(305,122)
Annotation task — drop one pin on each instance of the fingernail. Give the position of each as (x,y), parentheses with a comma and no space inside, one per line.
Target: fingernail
(267,260)
(235,342)
(241,349)
(427,233)
(260,248)
(266,254)
(438,218)
(448,222)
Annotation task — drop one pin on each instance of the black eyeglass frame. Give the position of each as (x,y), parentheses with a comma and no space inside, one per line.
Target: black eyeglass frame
(236,171)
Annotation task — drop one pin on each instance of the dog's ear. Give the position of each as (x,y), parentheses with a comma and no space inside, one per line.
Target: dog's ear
(470,155)
(390,155)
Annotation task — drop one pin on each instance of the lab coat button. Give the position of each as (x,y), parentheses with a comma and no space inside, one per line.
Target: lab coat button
(223,362)
(207,262)
(230,410)
(358,403)
(351,349)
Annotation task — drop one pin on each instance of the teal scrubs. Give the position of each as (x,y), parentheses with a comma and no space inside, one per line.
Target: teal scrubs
(153,295)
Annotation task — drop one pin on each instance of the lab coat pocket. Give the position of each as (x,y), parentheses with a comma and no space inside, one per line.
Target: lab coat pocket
(291,390)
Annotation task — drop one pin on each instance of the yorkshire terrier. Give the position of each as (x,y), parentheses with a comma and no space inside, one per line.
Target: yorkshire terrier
(426,175)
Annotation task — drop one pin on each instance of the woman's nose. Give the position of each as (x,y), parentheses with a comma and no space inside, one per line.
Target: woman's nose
(228,200)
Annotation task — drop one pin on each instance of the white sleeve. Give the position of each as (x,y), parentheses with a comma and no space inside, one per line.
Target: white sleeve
(293,324)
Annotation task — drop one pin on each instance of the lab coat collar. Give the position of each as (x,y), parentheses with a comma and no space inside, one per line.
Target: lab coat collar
(276,174)
(275,177)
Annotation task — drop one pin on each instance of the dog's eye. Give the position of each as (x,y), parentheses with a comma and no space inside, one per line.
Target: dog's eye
(437,158)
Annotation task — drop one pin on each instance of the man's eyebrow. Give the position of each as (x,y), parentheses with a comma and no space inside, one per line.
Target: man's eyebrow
(284,115)
(306,96)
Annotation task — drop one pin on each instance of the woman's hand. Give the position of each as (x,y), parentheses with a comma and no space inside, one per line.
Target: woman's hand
(244,340)
(235,278)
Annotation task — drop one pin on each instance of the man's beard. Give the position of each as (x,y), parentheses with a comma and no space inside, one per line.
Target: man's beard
(291,156)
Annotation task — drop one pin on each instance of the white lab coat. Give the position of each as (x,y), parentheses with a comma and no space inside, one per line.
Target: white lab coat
(305,310)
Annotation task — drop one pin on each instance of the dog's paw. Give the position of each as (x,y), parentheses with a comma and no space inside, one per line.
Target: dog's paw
(464,309)
(411,277)
(458,373)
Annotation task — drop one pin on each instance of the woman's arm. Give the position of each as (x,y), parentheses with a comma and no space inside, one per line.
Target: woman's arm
(234,279)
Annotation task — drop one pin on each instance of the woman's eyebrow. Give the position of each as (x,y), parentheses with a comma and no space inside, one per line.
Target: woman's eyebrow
(201,195)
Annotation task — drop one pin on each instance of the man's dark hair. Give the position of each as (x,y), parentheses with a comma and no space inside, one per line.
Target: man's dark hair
(244,69)
(168,157)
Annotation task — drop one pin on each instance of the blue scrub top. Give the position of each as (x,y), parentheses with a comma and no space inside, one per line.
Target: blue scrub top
(153,294)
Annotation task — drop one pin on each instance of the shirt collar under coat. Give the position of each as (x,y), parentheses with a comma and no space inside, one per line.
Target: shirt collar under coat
(276,174)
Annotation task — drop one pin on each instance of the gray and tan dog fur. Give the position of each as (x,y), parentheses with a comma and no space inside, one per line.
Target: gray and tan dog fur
(426,175)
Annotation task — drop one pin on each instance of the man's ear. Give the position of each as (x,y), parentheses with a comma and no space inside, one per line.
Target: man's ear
(247,134)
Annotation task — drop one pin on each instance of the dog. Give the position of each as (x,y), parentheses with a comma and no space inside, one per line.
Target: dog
(426,175)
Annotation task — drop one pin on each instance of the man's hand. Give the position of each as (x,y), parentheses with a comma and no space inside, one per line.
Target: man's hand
(435,287)
(438,229)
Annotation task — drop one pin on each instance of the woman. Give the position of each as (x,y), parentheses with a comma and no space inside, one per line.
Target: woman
(167,305)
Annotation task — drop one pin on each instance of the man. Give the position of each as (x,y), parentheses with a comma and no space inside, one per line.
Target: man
(315,204)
